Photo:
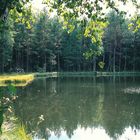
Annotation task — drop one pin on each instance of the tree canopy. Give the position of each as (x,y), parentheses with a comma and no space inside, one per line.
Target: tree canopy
(40,43)
(91,14)
(68,8)
(86,8)
(7,5)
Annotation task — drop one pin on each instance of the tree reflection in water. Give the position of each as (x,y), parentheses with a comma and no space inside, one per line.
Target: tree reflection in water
(67,104)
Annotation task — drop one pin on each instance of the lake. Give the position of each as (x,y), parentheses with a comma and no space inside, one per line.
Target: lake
(80,108)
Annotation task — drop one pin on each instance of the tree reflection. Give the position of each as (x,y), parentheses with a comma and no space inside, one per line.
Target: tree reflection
(69,103)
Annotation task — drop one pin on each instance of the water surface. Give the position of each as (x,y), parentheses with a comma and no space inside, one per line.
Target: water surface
(102,108)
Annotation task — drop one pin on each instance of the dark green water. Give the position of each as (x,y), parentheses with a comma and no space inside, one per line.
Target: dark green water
(103,108)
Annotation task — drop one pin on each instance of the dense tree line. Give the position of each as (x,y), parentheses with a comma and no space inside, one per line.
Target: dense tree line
(39,43)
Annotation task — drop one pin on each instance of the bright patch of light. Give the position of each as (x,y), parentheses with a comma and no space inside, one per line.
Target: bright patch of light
(130,134)
(129,8)
(83,134)
(97,134)
(38,5)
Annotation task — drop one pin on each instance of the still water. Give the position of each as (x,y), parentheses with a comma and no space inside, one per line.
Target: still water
(102,108)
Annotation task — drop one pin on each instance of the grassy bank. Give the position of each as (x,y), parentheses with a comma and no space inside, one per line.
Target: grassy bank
(16,79)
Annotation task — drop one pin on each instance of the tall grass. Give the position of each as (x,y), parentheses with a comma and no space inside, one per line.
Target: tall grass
(17,133)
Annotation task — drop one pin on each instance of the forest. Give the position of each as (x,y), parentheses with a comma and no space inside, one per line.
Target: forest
(36,42)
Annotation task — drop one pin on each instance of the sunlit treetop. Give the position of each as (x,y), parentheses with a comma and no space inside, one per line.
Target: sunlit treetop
(90,13)
(87,9)
(23,18)
(77,8)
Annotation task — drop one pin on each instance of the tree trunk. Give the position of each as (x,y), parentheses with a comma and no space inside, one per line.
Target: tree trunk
(114,59)
(2,69)
(27,60)
(125,62)
(94,63)
(120,57)
(45,65)
(109,60)
(58,63)
(134,59)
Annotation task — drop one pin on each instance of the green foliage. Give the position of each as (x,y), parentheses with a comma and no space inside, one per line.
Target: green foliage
(101,65)
(7,5)
(11,90)
(135,24)
(92,12)
(77,8)
(32,43)
(25,17)
(6,41)
(95,30)
(118,42)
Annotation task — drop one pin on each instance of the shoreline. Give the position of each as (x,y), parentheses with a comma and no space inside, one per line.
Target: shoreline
(23,79)
(58,74)
(84,74)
